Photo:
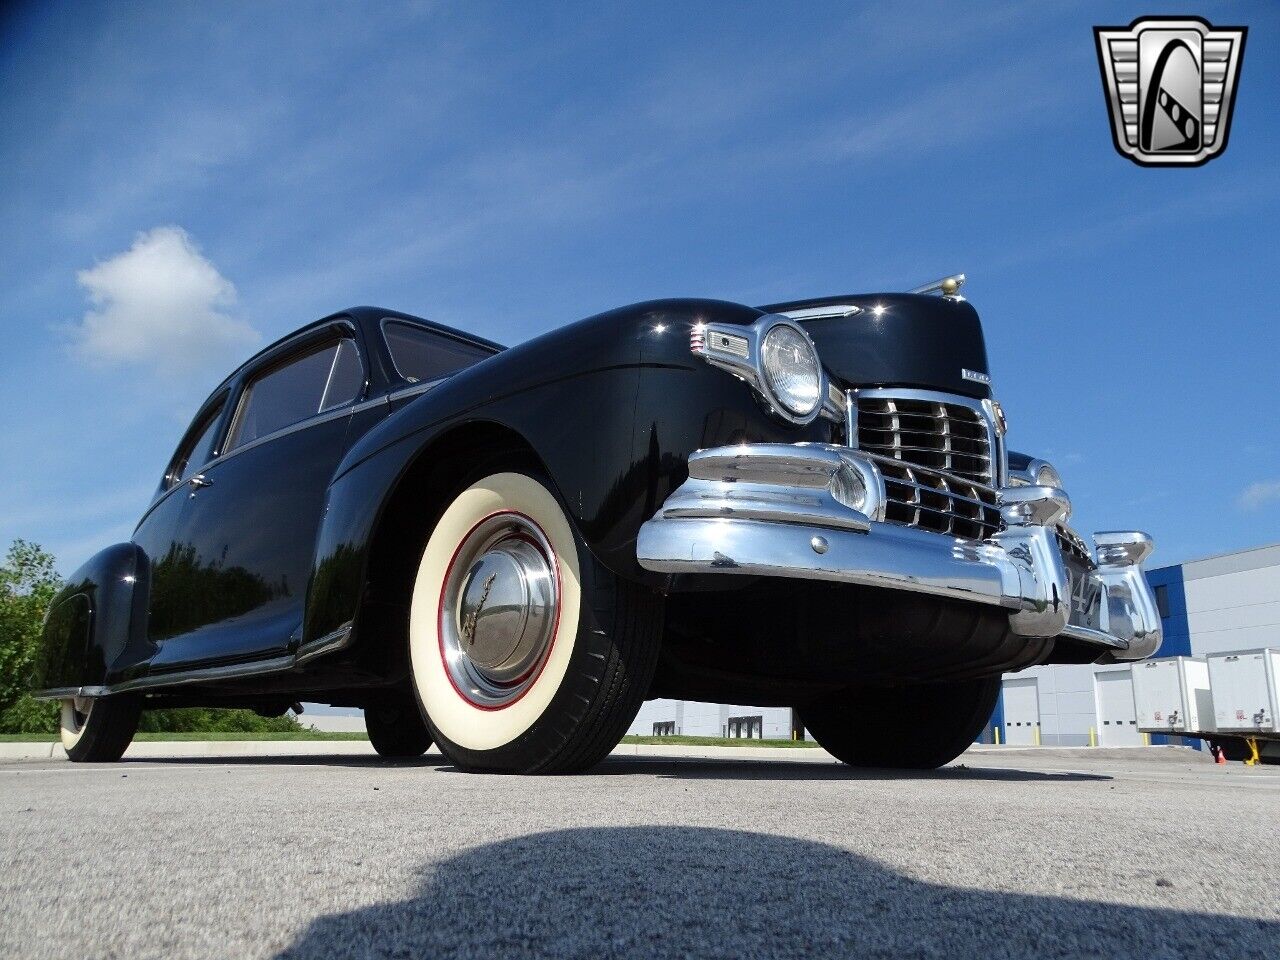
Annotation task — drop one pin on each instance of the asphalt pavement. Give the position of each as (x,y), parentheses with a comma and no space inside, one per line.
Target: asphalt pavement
(1143,853)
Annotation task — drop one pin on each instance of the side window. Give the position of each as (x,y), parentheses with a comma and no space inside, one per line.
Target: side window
(298,389)
(195,453)
(421,355)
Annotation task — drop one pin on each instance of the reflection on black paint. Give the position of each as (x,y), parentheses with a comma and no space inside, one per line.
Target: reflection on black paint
(187,593)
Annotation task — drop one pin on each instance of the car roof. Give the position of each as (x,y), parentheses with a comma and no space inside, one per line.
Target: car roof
(367,317)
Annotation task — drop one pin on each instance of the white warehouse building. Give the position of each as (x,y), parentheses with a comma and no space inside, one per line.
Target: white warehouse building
(1222,603)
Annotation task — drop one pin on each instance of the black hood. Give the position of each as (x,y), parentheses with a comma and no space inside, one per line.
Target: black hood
(915,341)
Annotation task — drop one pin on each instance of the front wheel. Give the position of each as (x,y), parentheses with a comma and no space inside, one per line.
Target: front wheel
(917,728)
(98,730)
(528,656)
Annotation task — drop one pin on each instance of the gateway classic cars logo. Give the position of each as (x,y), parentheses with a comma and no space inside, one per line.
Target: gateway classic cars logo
(1170,84)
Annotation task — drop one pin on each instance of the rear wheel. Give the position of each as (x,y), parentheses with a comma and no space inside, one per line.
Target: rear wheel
(918,727)
(528,656)
(98,730)
(396,728)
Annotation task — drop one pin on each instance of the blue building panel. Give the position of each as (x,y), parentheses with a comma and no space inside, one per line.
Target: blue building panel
(1171,596)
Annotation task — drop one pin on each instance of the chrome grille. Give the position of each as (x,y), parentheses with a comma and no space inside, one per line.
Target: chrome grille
(936,433)
(931,500)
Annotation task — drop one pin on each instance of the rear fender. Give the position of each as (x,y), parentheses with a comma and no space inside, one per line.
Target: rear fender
(94,623)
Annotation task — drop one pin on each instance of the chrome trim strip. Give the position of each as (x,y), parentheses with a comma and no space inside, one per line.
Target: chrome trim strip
(329,643)
(175,679)
(831,310)
(415,388)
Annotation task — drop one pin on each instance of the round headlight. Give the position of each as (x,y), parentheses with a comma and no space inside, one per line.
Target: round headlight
(792,372)
(1047,476)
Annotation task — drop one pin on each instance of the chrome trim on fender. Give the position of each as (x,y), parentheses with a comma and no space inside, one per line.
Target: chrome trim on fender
(329,643)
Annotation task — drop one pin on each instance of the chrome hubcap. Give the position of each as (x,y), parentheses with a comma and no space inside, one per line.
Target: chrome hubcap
(498,609)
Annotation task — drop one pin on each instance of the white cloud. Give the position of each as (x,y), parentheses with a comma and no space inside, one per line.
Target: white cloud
(1259,494)
(160,305)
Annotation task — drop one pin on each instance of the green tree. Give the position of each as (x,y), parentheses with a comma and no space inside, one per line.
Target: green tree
(28,582)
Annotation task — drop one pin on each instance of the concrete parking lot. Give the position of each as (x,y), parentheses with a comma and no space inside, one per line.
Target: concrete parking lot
(1143,853)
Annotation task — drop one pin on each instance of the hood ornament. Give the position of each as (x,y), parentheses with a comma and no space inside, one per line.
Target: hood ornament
(949,287)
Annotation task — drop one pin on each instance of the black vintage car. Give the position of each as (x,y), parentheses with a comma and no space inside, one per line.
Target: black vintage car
(505,551)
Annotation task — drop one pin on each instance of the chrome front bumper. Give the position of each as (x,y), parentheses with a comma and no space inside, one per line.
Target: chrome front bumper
(815,511)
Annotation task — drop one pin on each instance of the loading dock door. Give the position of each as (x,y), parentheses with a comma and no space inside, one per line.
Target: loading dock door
(1117,717)
(1021,710)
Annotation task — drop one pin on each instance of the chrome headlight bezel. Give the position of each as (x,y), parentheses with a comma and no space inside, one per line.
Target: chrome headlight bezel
(740,351)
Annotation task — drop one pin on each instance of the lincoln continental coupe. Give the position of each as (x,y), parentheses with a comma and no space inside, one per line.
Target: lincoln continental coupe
(505,551)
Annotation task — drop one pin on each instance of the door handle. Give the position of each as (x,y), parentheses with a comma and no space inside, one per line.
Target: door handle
(198,481)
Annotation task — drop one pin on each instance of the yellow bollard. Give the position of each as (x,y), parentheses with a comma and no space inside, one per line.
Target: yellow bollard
(996,731)
(1093,737)
(1253,758)
(1146,739)
(1037,732)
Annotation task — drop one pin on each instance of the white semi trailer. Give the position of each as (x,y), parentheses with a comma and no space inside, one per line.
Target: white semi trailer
(1172,695)
(1229,699)
(1246,699)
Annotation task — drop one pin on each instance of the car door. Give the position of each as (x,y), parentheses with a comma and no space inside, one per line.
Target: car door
(157,532)
(249,522)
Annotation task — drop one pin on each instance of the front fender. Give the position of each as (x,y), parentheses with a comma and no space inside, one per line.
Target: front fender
(93,620)
(611,407)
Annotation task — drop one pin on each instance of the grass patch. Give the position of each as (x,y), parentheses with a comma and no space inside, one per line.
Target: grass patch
(196,736)
(716,742)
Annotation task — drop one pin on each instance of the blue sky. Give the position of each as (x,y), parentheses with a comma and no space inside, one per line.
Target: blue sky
(179,183)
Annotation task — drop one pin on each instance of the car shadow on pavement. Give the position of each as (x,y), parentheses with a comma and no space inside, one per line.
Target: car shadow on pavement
(295,760)
(692,768)
(712,769)
(698,892)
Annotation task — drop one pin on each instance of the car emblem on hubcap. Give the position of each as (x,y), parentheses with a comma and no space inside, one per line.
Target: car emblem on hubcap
(469,625)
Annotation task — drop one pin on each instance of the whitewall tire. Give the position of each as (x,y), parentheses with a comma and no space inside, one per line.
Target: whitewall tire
(98,730)
(514,668)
